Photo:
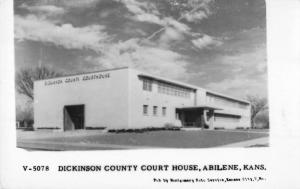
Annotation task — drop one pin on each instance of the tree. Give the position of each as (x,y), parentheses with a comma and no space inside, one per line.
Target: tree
(258,104)
(262,119)
(24,115)
(26,77)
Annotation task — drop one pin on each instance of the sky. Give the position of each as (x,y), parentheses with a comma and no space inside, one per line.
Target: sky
(215,44)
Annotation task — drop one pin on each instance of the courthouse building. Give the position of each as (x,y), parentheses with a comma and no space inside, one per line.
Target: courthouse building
(127,98)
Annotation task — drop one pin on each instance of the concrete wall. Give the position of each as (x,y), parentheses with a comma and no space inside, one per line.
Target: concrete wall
(228,123)
(105,99)
(139,97)
(200,97)
(244,112)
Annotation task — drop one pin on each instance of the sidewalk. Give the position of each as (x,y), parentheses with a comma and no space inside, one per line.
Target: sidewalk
(62,146)
(23,135)
(249,143)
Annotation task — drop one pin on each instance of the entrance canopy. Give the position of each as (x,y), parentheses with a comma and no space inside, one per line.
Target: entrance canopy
(199,108)
(195,116)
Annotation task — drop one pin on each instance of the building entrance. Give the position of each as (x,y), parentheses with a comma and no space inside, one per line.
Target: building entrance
(191,118)
(198,116)
(73,117)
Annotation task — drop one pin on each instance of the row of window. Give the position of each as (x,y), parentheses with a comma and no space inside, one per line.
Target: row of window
(154,110)
(224,102)
(167,89)
(173,90)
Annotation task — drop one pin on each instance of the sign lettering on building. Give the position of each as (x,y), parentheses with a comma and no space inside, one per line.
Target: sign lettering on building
(78,79)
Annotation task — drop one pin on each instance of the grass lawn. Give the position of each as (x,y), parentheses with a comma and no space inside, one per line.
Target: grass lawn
(171,139)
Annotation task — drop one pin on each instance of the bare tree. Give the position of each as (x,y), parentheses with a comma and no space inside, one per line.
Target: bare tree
(258,104)
(26,77)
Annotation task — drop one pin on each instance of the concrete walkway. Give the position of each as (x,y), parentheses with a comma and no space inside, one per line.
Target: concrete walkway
(239,131)
(62,146)
(249,143)
(24,135)
(223,130)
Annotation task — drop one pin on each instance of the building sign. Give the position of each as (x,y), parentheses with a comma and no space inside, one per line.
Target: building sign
(77,79)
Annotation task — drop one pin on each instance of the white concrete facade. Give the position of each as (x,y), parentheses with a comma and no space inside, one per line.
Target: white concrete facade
(117,99)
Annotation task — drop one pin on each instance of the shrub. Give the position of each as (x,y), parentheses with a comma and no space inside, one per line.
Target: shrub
(219,128)
(95,128)
(147,129)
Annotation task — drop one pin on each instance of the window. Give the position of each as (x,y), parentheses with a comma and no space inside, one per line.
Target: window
(164,111)
(155,110)
(147,85)
(145,109)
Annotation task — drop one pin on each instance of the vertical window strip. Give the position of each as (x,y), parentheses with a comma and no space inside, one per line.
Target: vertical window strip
(145,109)
(147,85)
(155,110)
(164,111)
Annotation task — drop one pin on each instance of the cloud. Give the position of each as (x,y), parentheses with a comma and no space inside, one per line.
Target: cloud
(148,12)
(170,35)
(176,25)
(80,3)
(146,56)
(253,60)
(173,30)
(206,42)
(138,7)
(245,73)
(154,60)
(196,16)
(150,18)
(66,35)
(241,86)
(142,11)
(45,9)
(69,3)
(198,10)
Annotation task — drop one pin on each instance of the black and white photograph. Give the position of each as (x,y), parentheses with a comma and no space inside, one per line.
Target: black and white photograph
(149,94)
(134,74)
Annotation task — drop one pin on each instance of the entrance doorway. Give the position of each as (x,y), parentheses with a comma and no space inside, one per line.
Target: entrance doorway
(191,117)
(197,116)
(73,117)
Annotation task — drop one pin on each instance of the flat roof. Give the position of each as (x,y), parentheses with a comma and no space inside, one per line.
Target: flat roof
(227,97)
(78,74)
(228,114)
